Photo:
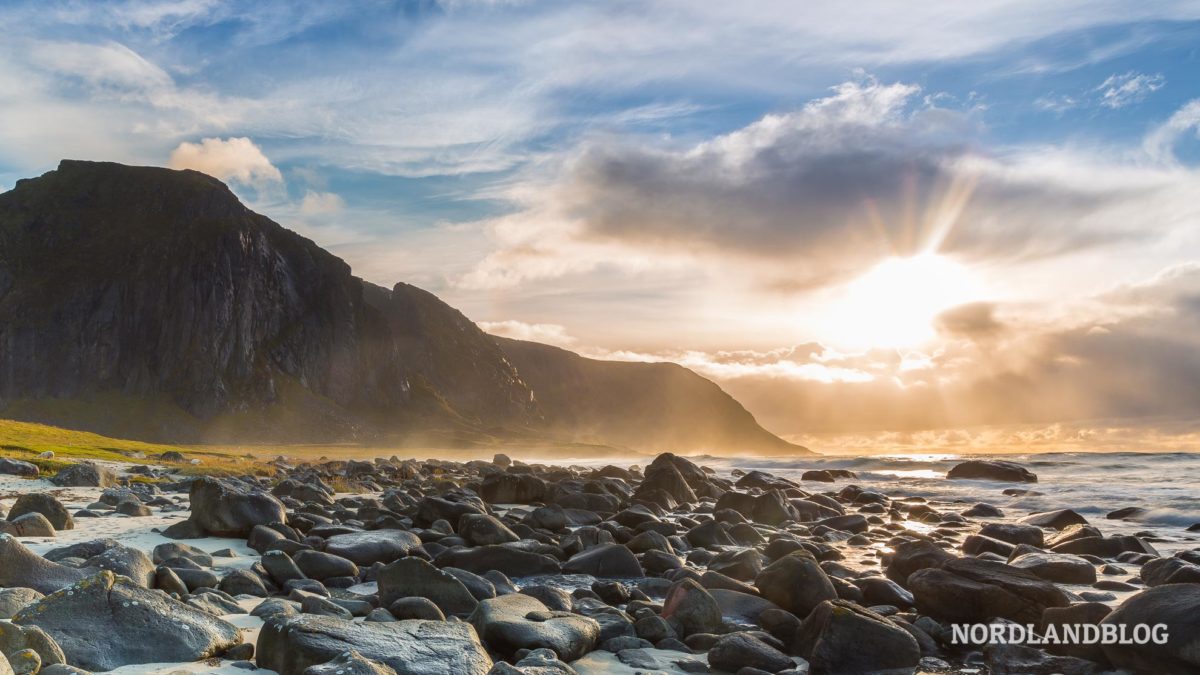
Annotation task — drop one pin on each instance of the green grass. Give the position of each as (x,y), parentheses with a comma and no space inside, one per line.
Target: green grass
(26,440)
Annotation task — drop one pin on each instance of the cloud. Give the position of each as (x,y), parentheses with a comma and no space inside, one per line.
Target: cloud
(321,203)
(236,159)
(1119,91)
(1161,141)
(546,333)
(818,194)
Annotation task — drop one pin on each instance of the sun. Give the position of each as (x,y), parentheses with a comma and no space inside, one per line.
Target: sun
(895,303)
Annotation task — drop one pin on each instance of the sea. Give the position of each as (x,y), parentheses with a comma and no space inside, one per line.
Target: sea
(1166,485)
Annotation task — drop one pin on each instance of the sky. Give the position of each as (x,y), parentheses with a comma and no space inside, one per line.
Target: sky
(885,226)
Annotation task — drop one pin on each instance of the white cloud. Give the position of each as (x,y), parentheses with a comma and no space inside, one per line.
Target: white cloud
(1128,88)
(237,159)
(546,333)
(1160,142)
(321,203)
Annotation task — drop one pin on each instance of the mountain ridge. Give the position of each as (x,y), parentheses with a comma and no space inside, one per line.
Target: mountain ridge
(152,303)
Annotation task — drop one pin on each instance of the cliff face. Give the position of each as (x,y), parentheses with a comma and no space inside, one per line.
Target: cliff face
(150,303)
(647,406)
(158,284)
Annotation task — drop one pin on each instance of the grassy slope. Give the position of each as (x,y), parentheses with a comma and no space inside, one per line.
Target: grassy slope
(26,440)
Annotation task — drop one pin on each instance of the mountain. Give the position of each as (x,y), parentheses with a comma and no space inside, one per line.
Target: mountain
(659,405)
(152,304)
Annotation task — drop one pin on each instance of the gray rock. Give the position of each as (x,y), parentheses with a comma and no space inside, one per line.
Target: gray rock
(22,568)
(15,467)
(376,546)
(140,626)
(691,608)
(228,508)
(988,469)
(350,663)
(414,577)
(13,600)
(605,560)
(841,637)
(1175,605)
(85,474)
(480,529)
(414,647)
(975,590)
(1060,567)
(513,622)
(33,525)
(321,565)
(741,650)
(796,583)
(505,559)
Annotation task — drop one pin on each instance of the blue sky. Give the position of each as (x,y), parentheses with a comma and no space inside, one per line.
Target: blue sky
(717,183)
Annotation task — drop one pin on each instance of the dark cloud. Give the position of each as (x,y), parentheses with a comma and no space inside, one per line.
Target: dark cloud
(846,179)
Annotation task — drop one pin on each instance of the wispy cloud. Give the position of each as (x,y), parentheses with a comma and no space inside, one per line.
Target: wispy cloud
(1119,91)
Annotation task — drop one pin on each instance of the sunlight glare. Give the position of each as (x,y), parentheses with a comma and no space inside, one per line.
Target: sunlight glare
(895,303)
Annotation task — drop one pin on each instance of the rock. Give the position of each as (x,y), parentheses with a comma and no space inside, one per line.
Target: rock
(228,508)
(32,525)
(990,469)
(140,626)
(912,556)
(505,559)
(741,605)
(692,608)
(1162,571)
(376,546)
(1058,520)
(1003,659)
(85,474)
(1015,534)
(841,637)
(414,577)
(350,663)
(795,583)
(510,488)
(290,646)
(605,560)
(22,568)
(1177,606)
(513,622)
(415,608)
(976,590)
(125,561)
(15,467)
(741,650)
(1063,568)
(176,550)
(482,530)
(1105,547)
(320,565)
(13,600)
(47,505)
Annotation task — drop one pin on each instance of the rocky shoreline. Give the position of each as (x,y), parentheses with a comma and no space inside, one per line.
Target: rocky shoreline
(503,567)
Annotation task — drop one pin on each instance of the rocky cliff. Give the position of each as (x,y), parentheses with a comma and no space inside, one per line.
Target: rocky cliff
(151,303)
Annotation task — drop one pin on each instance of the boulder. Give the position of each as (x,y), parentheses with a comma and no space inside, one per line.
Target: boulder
(1060,567)
(514,622)
(15,467)
(975,590)
(1058,520)
(228,508)
(480,529)
(350,663)
(1004,659)
(736,651)
(105,622)
(605,560)
(85,474)
(796,583)
(1177,606)
(512,488)
(507,560)
(691,608)
(22,568)
(990,469)
(375,546)
(321,565)
(841,637)
(291,645)
(13,600)
(414,577)
(45,504)
(912,556)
